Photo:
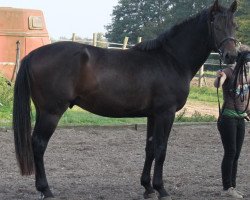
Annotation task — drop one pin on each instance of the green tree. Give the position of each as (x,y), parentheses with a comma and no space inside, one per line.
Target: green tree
(148,18)
(243,19)
(124,21)
(134,18)
(183,9)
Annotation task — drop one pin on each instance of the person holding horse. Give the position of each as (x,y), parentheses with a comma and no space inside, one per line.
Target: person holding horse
(235,82)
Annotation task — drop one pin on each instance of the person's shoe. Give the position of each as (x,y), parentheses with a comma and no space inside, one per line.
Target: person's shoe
(231,192)
(239,192)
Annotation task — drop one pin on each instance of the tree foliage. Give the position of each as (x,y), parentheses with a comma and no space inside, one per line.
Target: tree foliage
(148,18)
(243,18)
(135,18)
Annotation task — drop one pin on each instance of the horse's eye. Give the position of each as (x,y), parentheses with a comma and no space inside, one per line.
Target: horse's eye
(236,26)
(217,27)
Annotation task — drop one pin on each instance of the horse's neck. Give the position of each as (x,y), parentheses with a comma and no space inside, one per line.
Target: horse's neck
(190,45)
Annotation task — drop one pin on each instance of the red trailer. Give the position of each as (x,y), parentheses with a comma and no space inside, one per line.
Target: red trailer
(24,25)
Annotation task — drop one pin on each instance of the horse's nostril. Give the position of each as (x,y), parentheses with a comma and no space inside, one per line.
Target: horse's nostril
(227,56)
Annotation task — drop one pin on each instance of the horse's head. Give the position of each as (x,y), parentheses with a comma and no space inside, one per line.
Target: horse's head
(223,31)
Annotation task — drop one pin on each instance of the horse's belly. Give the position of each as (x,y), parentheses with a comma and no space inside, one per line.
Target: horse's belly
(181,104)
(110,108)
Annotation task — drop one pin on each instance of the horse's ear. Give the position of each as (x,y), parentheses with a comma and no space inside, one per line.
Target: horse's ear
(233,7)
(215,7)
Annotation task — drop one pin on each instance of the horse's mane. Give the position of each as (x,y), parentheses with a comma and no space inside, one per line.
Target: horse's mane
(163,37)
(169,33)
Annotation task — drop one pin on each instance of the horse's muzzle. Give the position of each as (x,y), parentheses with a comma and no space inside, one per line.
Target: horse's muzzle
(229,57)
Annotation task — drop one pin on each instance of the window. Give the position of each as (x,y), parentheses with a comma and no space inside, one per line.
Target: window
(35,22)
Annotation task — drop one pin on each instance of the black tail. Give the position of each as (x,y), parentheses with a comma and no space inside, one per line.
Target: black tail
(22,120)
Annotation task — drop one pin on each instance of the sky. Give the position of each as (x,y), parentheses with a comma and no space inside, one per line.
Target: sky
(62,18)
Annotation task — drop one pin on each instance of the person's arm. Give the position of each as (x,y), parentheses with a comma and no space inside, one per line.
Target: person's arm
(220,79)
(248,80)
(248,113)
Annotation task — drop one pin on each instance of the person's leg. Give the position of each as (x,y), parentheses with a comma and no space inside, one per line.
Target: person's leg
(228,128)
(239,141)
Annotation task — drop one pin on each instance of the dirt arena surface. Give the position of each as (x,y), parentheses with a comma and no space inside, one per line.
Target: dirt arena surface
(106,162)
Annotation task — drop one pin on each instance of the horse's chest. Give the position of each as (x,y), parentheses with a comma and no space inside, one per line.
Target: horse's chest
(175,96)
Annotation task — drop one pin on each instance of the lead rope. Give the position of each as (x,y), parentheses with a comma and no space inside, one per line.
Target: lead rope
(241,73)
(220,110)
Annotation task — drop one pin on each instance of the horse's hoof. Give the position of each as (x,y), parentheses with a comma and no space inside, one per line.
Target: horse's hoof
(151,196)
(48,198)
(165,198)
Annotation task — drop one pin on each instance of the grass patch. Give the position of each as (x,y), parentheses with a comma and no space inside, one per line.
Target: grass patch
(77,117)
(196,117)
(205,94)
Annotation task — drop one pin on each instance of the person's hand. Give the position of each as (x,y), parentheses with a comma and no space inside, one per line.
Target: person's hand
(248,64)
(248,113)
(220,73)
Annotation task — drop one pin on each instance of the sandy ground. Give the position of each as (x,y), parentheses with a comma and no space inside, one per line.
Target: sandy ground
(106,162)
(203,108)
(199,107)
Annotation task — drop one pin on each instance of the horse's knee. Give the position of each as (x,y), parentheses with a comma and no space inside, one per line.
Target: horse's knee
(160,154)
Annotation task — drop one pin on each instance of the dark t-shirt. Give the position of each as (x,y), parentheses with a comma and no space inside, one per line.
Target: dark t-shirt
(228,94)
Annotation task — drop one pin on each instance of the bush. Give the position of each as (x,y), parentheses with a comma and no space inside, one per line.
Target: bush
(6,101)
(6,92)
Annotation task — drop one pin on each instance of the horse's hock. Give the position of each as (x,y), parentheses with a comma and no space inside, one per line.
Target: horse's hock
(24,25)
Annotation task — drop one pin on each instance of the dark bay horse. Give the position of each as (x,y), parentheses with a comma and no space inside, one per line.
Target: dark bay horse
(151,80)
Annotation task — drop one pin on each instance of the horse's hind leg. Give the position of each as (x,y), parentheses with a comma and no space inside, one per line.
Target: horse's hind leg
(145,178)
(162,128)
(43,130)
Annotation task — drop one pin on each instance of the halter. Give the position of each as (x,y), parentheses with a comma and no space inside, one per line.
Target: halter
(217,47)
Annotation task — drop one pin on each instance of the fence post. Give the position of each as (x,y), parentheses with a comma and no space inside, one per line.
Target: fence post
(95,39)
(139,39)
(201,72)
(201,76)
(73,37)
(125,42)
(17,64)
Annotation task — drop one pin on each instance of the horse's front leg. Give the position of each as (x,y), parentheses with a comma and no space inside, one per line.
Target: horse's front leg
(162,127)
(145,178)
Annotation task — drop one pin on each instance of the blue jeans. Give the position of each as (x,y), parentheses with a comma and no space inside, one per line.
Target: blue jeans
(232,132)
